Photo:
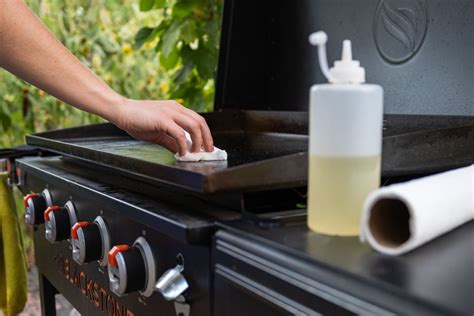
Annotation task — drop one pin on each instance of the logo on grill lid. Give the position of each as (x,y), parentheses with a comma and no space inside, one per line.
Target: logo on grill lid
(400,28)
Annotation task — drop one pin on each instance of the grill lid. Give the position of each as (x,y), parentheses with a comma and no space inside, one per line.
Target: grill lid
(424,64)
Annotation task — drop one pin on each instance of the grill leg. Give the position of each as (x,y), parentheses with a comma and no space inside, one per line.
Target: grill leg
(47,296)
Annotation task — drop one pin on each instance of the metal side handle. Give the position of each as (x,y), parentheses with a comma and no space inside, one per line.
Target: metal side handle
(172,284)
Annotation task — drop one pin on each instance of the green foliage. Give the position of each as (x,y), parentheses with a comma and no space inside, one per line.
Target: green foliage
(155,49)
(187,40)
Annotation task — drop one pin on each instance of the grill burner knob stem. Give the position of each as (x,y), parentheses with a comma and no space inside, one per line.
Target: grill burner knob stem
(132,269)
(58,222)
(35,205)
(90,242)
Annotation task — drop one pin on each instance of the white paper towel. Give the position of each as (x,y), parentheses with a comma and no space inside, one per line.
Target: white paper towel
(202,155)
(400,217)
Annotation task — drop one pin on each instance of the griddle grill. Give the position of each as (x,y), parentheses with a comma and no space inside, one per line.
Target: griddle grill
(239,226)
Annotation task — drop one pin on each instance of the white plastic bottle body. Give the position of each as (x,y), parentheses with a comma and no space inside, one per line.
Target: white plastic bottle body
(344,154)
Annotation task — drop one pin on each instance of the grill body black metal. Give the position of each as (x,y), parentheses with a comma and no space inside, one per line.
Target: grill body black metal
(235,264)
(127,216)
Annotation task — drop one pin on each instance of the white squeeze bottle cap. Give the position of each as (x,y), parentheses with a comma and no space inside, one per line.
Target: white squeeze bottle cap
(345,70)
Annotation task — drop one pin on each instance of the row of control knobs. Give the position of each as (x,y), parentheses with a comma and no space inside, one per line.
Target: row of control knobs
(130,268)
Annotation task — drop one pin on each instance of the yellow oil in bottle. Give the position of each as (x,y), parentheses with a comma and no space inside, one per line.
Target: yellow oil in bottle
(337,189)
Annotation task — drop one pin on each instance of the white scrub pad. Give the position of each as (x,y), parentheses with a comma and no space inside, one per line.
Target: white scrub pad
(202,155)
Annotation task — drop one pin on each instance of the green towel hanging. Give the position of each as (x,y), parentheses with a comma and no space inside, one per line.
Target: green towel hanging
(13,271)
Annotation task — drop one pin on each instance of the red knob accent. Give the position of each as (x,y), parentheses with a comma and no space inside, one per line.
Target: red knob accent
(76,227)
(49,210)
(113,252)
(27,197)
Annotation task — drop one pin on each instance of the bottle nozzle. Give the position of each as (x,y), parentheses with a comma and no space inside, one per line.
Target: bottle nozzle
(346,51)
(344,71)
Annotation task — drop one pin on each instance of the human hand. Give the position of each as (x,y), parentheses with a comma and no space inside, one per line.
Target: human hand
(163,122)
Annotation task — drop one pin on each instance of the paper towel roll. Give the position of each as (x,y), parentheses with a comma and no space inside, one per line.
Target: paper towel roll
(400,217)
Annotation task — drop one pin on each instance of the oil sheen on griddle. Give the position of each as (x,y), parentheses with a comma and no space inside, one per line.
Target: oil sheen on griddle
(337,189)
(345,143)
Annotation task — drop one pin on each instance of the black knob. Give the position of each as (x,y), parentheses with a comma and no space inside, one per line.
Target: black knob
(57,224)
(127,270)
(35,205)
(86,242)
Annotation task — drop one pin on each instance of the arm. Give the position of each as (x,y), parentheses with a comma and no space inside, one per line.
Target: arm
(30,51)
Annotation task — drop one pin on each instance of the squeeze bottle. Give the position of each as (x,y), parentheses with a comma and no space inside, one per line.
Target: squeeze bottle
(345,143)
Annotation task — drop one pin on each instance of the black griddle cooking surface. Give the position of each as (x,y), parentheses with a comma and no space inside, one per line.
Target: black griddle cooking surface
(260,145)
(267,150)
(243,148)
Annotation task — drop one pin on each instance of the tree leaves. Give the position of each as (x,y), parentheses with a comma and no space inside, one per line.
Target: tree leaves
(171,60)
(183,8)
(142,36)
(6,121)
(189,31)
(188,45)
(160,4)
(183,74)
(170,37)
(204,59)
(108,45)
(146,5)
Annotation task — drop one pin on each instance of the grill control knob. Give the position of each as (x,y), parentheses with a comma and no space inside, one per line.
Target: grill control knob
(132,268)
(58,222)
(90,242)
(35,205)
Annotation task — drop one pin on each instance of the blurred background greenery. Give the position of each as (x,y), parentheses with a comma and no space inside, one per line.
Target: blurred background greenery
(144,49)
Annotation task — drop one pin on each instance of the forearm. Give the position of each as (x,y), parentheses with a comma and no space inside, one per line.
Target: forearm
(30,51)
